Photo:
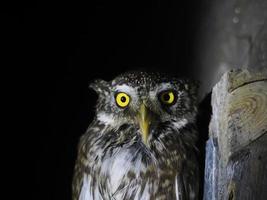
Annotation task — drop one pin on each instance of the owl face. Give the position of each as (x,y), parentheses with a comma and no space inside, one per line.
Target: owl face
(146,101)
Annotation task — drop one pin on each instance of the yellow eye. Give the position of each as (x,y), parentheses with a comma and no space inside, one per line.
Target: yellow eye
(167,97)
(122,99)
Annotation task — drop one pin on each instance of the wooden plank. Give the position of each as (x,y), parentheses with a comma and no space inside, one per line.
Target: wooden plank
(236,153)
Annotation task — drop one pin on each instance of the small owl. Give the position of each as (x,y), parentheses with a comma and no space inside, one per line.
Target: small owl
(141,144)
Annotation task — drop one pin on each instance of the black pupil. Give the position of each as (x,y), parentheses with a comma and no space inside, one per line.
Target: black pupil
(166,97)
(123,99)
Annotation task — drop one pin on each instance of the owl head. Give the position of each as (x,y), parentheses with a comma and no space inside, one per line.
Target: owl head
(146,101)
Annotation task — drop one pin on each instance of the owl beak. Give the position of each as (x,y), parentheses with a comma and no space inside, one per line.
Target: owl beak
(144,120)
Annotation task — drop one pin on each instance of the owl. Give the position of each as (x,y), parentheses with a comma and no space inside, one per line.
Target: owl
(141,143)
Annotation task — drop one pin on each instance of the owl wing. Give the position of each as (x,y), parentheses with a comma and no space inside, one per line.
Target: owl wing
(81,185)
(82,182)
(82,188)
(187,183)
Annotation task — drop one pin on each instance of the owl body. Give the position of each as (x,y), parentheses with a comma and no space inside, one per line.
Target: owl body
(141,144)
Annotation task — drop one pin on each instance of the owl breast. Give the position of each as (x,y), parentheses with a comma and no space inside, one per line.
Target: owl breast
(114,168)
(129,175)
(120,169)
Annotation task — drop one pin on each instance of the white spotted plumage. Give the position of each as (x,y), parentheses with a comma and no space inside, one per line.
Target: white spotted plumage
(113,160)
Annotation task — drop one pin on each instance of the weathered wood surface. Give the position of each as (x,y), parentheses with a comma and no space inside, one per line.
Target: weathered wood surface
(236,152)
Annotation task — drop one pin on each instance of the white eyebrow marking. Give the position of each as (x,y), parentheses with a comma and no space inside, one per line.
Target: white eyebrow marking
(125,88)
(164,86)
(161,87)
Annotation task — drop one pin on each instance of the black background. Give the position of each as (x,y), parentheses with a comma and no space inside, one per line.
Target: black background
(53,53)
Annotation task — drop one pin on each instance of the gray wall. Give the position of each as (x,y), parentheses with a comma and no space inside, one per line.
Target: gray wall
(232,34)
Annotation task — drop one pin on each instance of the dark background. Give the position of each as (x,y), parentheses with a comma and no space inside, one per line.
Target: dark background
(52,54)
(61,50)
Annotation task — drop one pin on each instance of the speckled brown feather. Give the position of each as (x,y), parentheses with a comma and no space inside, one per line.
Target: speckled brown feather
(114,163)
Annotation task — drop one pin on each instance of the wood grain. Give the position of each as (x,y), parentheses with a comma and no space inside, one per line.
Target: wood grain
(236,152)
